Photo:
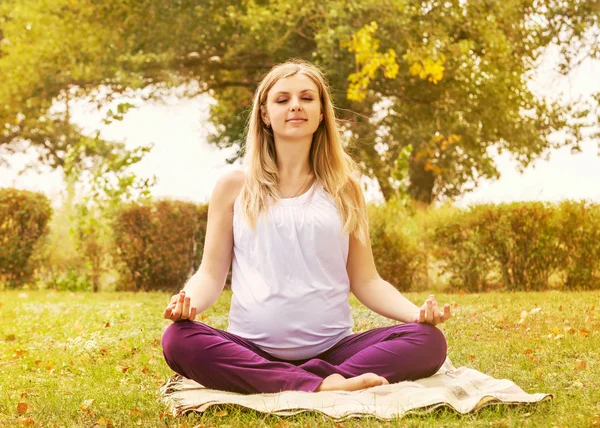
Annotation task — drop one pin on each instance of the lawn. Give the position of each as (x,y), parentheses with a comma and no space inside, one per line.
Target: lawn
(83,359)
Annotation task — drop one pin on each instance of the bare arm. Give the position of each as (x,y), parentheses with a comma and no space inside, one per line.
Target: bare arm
(372,291)
(204,287)
(380,296)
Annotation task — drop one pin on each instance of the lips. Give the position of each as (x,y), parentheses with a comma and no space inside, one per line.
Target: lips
(296,119)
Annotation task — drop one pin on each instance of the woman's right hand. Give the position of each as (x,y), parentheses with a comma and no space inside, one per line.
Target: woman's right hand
(179,308)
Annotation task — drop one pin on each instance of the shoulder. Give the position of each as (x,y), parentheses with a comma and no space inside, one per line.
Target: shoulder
(229,186)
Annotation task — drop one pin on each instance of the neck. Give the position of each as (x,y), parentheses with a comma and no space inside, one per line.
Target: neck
(293,159)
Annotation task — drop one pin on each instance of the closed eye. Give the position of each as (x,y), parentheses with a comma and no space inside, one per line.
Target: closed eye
(283,101)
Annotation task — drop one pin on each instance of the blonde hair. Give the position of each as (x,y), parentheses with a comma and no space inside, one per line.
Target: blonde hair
(332,167)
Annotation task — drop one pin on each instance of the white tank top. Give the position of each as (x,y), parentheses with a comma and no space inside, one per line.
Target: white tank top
(289,280)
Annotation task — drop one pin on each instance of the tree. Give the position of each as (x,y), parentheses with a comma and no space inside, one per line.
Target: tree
(423,88)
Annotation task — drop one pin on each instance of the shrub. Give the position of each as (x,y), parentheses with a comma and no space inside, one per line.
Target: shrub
(522,239)
(159,244)
(397,246)
(457,245)
(579,236)
(24,217)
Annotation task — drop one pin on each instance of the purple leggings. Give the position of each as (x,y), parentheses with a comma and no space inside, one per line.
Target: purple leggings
(221,360)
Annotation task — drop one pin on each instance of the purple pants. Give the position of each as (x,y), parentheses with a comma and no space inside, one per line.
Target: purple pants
(221,360)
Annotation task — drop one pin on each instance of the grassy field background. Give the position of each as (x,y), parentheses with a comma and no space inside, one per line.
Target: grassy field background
(83,359)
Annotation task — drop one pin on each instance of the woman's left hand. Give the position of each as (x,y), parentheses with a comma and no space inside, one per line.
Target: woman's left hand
(431,314)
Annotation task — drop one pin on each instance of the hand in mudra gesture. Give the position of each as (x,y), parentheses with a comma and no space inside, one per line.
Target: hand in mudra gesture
(179,308)
(431,314)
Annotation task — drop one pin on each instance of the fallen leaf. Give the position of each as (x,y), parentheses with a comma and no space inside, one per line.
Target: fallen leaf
(580,364)
(570,330)
(535,310)
(86,404)
(558,337)
(528,351)
(471,357)
(22,408)
(555,330)
(103,351)
(10,338)
(19,353)
(37,362)
(135,412)
(145,370)
(26,422)
(107,325)
(560,308)
(584,333)
(221,413)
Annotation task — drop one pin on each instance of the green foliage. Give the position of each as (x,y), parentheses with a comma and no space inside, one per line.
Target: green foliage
(24,218)
(397,244)
(159,244)
(454,78)
(522,239)
(578,225)
(458,247)
(520,246)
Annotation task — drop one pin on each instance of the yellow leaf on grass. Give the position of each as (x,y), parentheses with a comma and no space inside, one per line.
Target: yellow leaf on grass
(221,413)
(86,404)
(580,364)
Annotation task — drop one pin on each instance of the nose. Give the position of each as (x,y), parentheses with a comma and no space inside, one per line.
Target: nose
(295,105)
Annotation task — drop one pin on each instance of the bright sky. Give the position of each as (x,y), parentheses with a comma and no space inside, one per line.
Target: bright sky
(187,167)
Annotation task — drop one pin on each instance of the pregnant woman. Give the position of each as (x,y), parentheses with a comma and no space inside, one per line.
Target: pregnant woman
(293,225)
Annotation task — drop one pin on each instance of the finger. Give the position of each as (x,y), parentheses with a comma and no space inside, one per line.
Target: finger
(436,310)
(447,313)
(192,314)
(185,312)
(422,315)
(429,311)
(167,313)
(179,306)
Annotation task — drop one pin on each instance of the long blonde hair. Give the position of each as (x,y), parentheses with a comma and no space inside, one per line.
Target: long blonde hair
(332,167)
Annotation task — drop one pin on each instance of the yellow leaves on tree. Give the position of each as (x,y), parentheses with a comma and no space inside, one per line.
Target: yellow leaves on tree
(425,66)
(368,61)
(432,151)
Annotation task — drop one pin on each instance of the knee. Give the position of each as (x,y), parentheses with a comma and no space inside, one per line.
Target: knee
(436,344)
(175,339)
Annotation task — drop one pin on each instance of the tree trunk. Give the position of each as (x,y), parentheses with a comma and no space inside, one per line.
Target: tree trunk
(421,184)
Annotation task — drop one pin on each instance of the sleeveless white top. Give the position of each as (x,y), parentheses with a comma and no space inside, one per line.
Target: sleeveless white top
(289,280)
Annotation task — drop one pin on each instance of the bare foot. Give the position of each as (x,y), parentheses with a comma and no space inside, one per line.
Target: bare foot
(337,382)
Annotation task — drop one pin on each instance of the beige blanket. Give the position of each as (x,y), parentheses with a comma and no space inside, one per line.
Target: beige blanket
(462,389)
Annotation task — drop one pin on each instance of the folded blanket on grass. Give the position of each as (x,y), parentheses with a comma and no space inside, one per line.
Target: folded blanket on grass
(462,389)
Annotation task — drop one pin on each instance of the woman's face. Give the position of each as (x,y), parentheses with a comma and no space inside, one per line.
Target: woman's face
(293,107)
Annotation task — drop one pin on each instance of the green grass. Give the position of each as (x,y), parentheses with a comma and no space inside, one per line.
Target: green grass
(59,350)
